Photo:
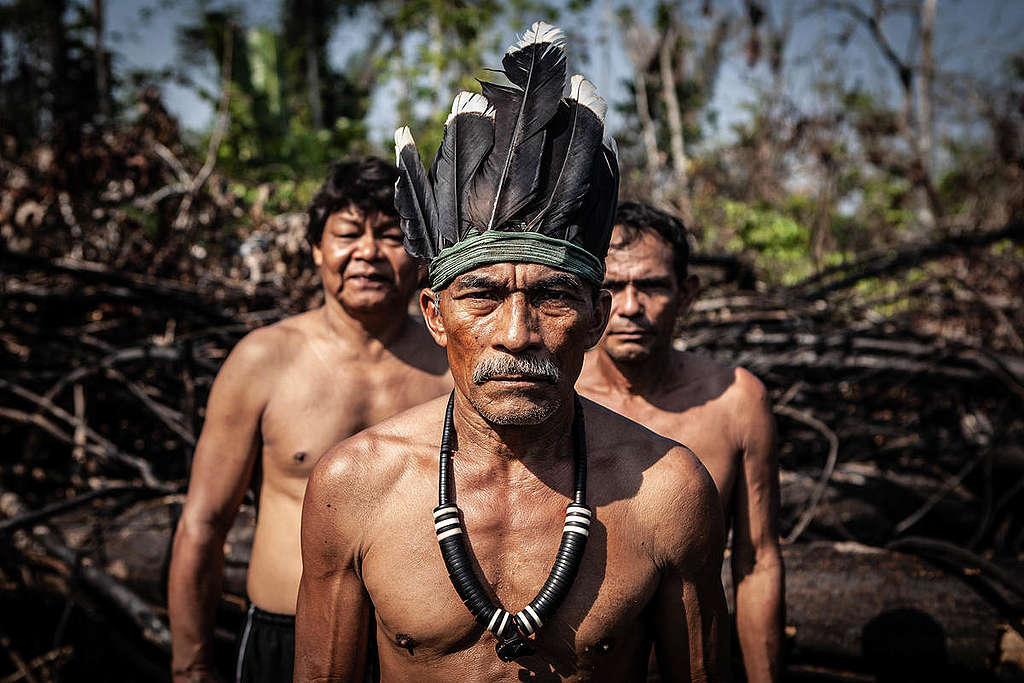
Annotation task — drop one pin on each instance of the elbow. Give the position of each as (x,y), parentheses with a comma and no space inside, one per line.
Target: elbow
(199,533)
(765,562)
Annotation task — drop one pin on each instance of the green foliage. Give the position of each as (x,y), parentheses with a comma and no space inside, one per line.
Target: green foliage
(271,133)
(778,240)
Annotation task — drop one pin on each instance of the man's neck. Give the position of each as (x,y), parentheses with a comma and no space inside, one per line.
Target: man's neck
(535,446)
(372,332)
(641,378)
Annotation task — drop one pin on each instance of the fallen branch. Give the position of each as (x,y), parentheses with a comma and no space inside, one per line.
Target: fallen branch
(150,624)
(826,473)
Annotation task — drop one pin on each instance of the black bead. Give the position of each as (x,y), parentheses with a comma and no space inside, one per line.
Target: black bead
(513,648)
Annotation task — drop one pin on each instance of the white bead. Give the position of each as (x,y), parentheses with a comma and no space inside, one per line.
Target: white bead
(444,523)
(445,510)
(451,532)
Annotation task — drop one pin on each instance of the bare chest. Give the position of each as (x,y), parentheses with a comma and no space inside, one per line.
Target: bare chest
(317,405)
(705,429)
(597,632)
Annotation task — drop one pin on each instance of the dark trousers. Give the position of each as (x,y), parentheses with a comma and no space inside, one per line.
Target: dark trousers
(267,650)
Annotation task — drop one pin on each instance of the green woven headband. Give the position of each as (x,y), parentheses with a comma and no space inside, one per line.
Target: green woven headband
(498,246)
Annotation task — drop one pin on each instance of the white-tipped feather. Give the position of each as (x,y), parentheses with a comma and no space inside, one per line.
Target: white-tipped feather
(585,92)
(470,103)
(403,137)
(539,32)
(610,143)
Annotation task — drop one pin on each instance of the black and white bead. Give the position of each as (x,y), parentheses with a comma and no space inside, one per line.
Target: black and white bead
(528,620)
(577,519)
(447,522)
(500,623)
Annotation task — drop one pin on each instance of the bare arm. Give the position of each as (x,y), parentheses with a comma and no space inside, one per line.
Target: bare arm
(757,570)
(691,626)
(221,469)
(332,619)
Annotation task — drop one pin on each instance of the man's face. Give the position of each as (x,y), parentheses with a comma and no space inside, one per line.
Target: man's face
(515,336)
(646,298)
(362,262)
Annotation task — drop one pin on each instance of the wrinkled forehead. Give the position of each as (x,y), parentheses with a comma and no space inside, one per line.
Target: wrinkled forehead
(517,276)
(638,253)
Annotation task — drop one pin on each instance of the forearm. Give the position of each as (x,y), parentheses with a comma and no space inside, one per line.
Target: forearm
(194,591)
(760,619)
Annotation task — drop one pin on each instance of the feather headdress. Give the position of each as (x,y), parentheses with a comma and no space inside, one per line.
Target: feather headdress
(522,174)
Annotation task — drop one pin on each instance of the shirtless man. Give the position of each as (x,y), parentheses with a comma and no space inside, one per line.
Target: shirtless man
(515,307)
(722,413)
(287,393)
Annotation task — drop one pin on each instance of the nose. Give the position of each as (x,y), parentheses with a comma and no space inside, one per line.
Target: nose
(629,304)
(366,247)
(517,325)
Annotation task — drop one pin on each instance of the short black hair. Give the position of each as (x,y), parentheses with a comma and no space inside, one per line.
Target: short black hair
(368,184)
(635,217)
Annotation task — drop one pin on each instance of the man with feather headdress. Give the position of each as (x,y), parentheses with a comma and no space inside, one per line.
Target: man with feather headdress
(571,536)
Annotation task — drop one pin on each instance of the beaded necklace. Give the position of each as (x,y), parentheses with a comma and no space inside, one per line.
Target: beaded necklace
(512,631)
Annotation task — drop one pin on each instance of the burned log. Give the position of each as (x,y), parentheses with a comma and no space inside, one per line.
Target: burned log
(897,616)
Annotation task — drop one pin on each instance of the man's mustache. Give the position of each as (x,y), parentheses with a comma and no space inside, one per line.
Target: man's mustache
(528,367)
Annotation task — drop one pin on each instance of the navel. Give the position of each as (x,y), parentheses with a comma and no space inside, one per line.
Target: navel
(300,456)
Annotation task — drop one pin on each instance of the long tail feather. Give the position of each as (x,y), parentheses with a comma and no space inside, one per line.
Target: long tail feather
(414,200)
(511,174)
(572,158)
(468,137)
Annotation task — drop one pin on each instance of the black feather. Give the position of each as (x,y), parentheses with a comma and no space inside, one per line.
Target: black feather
(468,137)
(414,200)
(597,216)
(571,161)
(510,175)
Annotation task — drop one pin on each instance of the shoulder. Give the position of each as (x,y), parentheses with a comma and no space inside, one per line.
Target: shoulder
(362,472)
(669,493)
(267,348)
(668,471)
(739,392)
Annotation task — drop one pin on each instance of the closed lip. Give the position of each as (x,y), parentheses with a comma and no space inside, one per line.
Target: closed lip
(368,277)
(629,333)
(513,379)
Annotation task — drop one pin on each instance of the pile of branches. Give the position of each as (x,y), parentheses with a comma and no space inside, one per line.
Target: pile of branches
(900,413)
(900,400)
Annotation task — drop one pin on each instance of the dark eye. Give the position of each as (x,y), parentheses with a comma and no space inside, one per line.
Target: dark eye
(392,237)
(482,294)
(553,296)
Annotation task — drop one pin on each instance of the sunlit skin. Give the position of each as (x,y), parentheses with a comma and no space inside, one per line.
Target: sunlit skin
(285,395)
(651,567)
(722,413)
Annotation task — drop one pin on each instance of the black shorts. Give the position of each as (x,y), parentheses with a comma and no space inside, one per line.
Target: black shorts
(266,653)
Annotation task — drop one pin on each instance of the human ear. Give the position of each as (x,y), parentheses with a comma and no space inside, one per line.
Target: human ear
(599,319)
(318,255)
(430,305)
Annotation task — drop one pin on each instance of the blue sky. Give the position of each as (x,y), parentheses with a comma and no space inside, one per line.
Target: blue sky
(973,37)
